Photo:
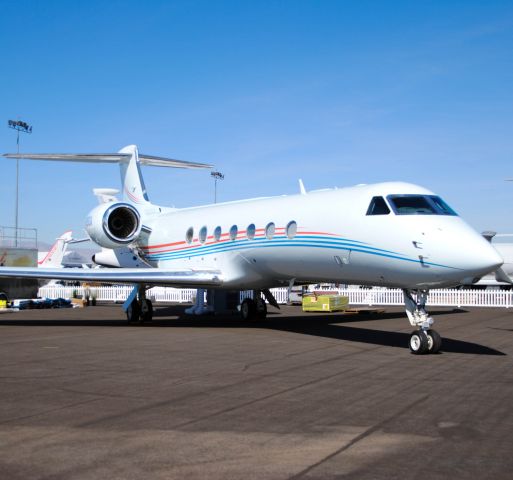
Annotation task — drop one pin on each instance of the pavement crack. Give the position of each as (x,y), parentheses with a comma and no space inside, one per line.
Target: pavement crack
(260,399)
(100,394)
(44,412)
(358,438)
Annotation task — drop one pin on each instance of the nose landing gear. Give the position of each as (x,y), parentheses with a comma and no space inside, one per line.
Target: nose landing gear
(425,339)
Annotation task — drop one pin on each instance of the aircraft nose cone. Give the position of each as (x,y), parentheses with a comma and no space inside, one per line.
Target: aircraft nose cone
(494,258)
(486,259)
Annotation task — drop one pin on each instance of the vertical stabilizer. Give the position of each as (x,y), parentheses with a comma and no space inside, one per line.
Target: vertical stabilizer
(134,190)
(54,256)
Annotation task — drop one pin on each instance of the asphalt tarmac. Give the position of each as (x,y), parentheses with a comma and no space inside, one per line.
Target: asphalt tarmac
(83,395)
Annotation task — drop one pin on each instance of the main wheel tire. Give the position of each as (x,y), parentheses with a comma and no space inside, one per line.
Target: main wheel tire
(133,312)
(146,311)
(419,342)
(248,309)
(434,341)
(261,309)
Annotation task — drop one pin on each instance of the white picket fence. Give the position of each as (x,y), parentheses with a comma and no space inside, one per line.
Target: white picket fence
(357,296)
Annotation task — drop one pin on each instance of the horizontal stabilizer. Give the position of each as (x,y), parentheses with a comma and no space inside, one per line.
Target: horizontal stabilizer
(79,240)
(144,276)
(108,158)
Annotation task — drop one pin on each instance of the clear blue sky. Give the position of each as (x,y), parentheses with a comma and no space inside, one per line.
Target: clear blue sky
(334,92)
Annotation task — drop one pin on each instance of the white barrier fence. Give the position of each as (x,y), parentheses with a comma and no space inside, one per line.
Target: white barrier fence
(357,296)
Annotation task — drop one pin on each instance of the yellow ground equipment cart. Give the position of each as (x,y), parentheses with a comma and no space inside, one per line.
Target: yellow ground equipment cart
(325,303)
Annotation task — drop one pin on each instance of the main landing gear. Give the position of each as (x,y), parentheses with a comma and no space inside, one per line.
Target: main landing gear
(256,308)
(425,339)
(139,309)
(251,309)
(227,302)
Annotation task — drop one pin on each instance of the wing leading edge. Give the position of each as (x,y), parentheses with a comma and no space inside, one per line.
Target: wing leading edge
(147,276)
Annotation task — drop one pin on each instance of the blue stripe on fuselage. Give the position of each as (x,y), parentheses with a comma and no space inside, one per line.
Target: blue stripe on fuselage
(284,242)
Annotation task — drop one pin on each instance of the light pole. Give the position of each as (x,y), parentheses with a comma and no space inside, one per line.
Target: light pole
(216,176)
(23,127)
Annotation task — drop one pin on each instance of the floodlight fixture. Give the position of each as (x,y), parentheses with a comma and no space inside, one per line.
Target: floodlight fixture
(20,126)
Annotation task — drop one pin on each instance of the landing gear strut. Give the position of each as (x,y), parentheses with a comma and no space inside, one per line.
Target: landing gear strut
(425,339)
(139,308)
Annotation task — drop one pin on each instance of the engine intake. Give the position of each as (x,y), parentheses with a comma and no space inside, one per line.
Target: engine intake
(121,222)
(112,225)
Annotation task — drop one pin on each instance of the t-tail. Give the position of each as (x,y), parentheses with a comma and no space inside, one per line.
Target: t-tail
(114,224)
(129,160)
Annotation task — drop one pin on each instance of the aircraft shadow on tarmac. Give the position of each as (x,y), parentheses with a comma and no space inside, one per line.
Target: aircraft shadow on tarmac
(319,325)
(328,326)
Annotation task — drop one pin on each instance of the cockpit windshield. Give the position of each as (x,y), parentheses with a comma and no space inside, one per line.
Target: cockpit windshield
(419,205)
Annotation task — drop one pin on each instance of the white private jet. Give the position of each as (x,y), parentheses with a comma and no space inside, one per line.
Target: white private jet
(389,234)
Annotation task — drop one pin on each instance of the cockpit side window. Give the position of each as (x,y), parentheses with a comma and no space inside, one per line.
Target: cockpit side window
(442,206)
(419,205)
(378,206)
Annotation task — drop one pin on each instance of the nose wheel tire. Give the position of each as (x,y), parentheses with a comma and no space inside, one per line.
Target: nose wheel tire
(419,343)
(425,341)
(434,341)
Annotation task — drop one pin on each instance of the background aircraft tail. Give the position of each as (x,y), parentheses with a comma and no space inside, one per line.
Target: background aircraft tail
(54,256)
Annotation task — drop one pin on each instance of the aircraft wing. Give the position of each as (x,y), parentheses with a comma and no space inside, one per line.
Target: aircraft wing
(147,276)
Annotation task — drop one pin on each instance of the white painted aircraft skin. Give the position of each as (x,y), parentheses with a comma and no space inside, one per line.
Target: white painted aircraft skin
(407,251)
(505,250)
(335,242)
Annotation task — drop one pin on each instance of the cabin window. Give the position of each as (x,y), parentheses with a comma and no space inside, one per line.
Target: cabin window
(217,234)
(189,235)
(378,206)
(250,232)
(291,229)
(233,232)
(419,205)
(270,230)
(203,234)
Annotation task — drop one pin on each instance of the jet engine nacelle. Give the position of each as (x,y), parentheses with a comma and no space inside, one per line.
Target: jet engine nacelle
(113,225)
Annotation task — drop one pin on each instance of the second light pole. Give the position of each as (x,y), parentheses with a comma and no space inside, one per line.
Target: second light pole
(216,176)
